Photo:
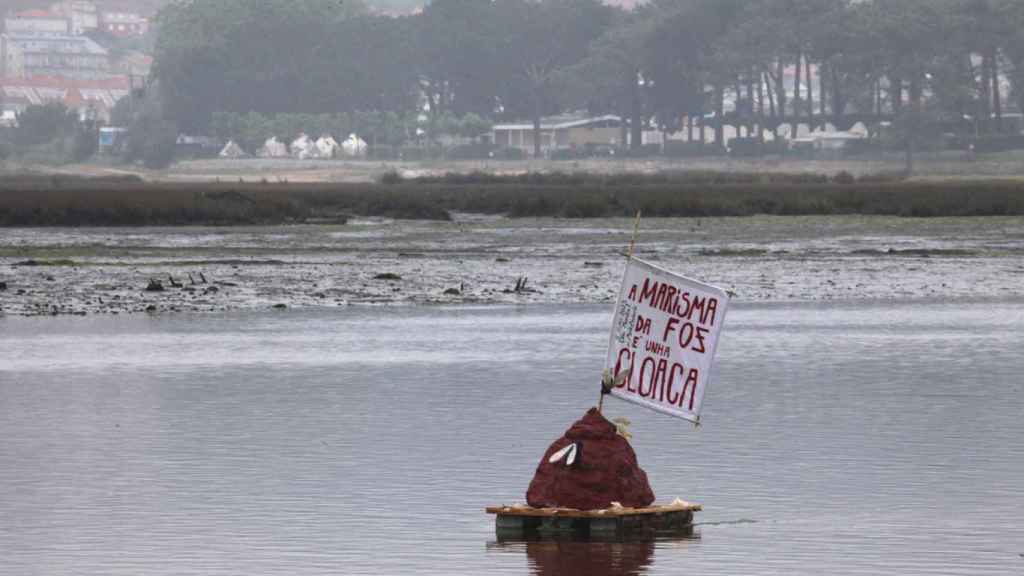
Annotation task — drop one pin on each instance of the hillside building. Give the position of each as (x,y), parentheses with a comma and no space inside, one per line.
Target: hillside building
(123,24)
(91,99)
(82,16)
(67,56)
(560,132)
(37,23)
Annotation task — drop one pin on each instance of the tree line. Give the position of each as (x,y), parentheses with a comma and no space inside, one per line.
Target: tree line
(762,66)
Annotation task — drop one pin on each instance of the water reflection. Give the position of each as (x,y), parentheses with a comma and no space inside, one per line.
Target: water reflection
(557,558)
(560,557)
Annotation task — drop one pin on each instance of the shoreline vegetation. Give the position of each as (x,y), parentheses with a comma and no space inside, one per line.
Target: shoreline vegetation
(59,200)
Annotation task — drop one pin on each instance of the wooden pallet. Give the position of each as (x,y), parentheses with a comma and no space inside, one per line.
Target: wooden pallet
(524,521)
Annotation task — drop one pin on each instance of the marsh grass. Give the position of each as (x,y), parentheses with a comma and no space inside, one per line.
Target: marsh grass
(119,202)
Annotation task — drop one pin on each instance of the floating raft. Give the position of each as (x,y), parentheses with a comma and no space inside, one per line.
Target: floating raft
(525,521)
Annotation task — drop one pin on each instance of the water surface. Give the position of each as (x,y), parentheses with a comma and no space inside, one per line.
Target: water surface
(838,439)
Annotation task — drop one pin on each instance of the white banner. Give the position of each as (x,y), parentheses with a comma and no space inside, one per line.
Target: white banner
(664,334)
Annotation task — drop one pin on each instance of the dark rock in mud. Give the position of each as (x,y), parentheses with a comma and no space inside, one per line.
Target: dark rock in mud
(604,470)
(279,306)
(155,286)
(387,276)
(452,292)
(3,286)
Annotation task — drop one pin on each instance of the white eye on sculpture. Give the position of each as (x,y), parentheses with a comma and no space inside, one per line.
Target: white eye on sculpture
(568,453)
(571,458)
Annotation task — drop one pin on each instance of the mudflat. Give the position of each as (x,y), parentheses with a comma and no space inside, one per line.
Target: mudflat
(476,259)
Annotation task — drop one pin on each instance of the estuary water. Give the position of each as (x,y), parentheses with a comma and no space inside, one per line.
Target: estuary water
(854,438)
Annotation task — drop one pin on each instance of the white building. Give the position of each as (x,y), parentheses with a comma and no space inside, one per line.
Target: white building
(558,132)
(37,23)
(82,15)
(124,24)
(64,56)
(92,99)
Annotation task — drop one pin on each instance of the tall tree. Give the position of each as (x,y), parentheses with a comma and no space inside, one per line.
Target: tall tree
(612,77)
(278,56)
(541,40)
(690,61)
(455,55)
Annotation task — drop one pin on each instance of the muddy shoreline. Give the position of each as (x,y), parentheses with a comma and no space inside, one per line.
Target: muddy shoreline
(482,260)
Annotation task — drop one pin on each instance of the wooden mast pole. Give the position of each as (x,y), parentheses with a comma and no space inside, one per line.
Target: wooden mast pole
(636,230)
(629,255)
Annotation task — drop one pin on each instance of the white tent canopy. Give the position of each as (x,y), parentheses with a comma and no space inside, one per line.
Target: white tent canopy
(273,148)
(328,147)
(354,146)
(232,150)
(303,148)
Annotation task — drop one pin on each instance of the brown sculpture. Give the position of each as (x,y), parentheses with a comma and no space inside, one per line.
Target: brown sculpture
(589,468)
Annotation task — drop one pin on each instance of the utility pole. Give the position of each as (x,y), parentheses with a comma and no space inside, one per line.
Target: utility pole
(131,94)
